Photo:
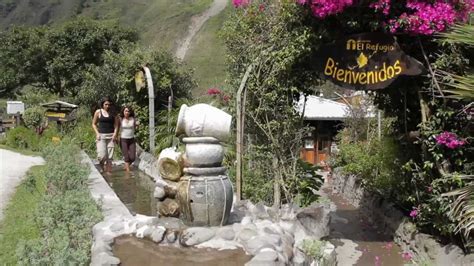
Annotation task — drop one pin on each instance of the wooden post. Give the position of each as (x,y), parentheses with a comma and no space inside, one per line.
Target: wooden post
(276,185)
(379,124)
(240,132)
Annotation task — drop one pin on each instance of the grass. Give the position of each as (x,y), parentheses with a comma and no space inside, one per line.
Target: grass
(18,223)
(207,54)
(161,23)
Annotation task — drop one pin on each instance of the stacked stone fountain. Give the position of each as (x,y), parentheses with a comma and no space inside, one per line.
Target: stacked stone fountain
(203,195)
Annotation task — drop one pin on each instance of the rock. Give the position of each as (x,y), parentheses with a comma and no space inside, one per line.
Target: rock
(196,235)
(246,220)
(99,247)
(171,237)
(288,212)
(157,234)
(104,259)
(116,227)
(159,193)
(226,233)
(237,227)
(246,234)
(171,223)
(255,244)
(99,227)
(257,211)
(315,220)
(144,231)
(235,217)
(143,220)
(108,239)
(169,208)
(264,257)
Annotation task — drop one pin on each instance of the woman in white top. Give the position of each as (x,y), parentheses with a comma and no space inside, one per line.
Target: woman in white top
(128,124)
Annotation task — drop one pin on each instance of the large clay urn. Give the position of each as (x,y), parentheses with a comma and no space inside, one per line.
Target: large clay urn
(203,152)
(205,200)
(203,120)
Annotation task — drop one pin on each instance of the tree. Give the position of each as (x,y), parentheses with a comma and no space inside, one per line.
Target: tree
(55,58)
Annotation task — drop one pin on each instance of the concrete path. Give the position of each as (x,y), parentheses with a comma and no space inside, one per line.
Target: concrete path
(13,167)
(196,24)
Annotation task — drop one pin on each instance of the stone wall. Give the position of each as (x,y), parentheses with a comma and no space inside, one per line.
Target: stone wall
(392,221)
(271,236)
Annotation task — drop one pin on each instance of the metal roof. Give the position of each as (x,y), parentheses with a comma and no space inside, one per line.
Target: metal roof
(318,108)
(59,104)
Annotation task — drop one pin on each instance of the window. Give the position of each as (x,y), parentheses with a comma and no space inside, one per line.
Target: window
(309,144)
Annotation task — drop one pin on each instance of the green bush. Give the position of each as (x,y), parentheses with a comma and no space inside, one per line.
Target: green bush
(22,138)
(67,213)
(34,117)
(313,248)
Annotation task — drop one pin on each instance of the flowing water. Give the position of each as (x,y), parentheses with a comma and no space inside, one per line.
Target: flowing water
(132,251)
(135,190)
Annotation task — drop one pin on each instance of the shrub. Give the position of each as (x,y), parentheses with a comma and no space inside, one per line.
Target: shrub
(67,213)
(313,248)
(22,138)
(34,117)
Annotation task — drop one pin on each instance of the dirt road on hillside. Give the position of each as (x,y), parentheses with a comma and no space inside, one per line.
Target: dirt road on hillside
(13,167)
(196,24)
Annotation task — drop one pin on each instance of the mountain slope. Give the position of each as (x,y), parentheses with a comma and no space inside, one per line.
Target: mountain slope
(161,23)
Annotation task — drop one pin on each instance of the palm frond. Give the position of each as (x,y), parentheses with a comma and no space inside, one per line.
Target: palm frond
(462,209)
(459,34)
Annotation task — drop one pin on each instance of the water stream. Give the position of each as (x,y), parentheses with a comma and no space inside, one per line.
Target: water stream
(357,241)
(135,190)
(132,251)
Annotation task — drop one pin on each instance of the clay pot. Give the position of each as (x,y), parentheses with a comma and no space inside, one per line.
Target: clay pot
(205,200)
(170,164)
(203,152)
(202,120)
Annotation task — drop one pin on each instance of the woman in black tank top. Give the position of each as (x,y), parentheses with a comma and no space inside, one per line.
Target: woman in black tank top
(105,125)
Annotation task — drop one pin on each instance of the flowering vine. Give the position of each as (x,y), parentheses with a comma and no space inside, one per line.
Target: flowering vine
(418,17)
(449,140)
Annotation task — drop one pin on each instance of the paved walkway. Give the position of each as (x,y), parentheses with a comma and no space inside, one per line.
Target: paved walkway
(13,167)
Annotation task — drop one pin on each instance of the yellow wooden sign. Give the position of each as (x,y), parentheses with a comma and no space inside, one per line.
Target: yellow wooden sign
(55,114)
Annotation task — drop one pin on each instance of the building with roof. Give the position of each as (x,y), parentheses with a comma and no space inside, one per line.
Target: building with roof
(326,117)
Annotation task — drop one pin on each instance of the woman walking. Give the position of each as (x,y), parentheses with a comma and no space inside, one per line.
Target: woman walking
(127,136)
(105,125)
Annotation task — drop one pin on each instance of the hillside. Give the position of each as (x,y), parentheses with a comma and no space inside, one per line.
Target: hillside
(161,23)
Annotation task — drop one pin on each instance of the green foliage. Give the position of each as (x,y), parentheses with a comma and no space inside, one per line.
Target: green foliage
(313,248)
(32,96)
(18,223)
(34,117)
(66,214)
(22,138)
(55,59)
(306,184)
(279,47)
(376,162)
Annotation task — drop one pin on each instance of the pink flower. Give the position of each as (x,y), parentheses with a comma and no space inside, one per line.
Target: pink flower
(429,189)
(449,140)
(213,91)
(414,212)
(240,3)
(388,246)
(407,256)
(377,262)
